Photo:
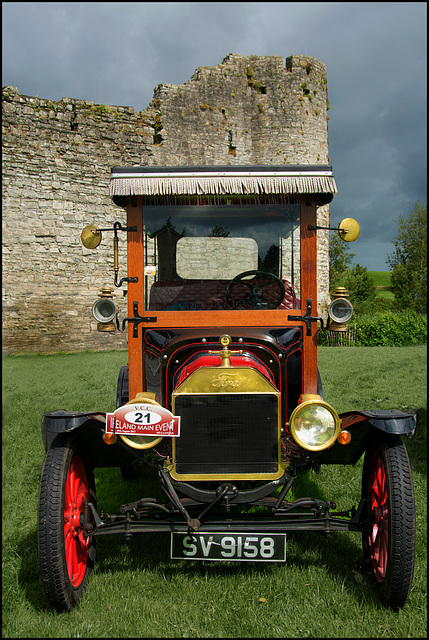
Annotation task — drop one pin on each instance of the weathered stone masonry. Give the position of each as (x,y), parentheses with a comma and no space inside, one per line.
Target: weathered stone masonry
(56,166)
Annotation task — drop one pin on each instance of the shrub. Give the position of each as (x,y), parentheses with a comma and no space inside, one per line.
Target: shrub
(391,329)
(369,307)
(381,329)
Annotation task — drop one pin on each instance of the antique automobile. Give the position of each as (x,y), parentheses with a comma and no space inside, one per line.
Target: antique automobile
(221,399)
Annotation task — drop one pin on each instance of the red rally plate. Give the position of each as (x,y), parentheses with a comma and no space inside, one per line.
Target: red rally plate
(143,420)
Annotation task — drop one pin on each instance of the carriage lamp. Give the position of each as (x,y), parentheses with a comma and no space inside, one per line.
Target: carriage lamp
(104,310)
(340,310)
(314,425)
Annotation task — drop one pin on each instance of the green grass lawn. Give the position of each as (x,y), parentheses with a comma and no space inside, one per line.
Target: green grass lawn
(382,281)
(137,591)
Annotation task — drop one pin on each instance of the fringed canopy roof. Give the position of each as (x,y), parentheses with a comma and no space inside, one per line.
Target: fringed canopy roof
(227,180)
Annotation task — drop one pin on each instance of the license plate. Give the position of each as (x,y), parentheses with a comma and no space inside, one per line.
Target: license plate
(251,547)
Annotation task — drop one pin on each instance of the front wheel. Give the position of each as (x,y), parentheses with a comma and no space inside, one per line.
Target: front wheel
(66,557)
(389,549)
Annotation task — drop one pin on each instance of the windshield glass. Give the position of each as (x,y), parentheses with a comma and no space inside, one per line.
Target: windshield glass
(224,252)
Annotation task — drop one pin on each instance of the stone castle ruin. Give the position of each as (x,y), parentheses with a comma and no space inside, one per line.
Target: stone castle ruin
(57,158)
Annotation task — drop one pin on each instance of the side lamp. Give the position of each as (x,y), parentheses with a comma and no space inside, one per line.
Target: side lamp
(104,310)
(340,310)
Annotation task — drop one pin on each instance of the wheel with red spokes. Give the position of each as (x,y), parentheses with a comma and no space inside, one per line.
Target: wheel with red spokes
(389,548)
(66,555)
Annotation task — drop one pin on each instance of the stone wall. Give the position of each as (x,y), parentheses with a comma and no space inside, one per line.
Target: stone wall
(56,166)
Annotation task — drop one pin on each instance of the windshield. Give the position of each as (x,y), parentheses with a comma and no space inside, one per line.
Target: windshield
(223,252)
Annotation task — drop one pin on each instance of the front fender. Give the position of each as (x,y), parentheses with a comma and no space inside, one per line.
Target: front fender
(62,421)
(363,426)
(389,421)
(89,427)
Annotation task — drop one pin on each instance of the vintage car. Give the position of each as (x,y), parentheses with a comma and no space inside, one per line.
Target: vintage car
(221,398)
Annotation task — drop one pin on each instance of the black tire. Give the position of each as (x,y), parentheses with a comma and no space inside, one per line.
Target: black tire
(122,394)
(66,559)
(389,550)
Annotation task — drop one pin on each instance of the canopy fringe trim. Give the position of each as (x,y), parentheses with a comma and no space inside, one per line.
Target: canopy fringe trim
(153,185)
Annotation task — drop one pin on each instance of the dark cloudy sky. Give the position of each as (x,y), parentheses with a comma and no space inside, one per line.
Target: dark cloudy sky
(375,53)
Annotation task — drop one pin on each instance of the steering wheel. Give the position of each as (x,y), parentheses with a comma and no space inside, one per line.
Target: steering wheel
(254,294)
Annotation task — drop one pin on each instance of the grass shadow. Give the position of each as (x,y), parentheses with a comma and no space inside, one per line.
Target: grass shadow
(340,553)
(29,577)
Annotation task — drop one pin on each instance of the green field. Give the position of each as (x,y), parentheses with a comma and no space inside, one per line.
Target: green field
(382,281)
(136,591)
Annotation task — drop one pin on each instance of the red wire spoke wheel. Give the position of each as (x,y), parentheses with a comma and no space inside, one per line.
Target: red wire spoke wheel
(76,548)
(389,547)
(378,540)
(66,557)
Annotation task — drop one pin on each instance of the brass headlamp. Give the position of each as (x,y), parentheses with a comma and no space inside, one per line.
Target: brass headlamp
(314,424)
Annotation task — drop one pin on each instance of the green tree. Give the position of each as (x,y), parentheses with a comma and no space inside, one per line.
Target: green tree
(355,278)
(340,260)
(360,285)
(408,262)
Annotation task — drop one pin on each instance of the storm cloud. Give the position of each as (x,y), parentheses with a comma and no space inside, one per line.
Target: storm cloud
(375,53)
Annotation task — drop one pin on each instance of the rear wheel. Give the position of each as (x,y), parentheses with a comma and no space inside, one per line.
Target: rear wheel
(389,549)
(66,557)
(122,391)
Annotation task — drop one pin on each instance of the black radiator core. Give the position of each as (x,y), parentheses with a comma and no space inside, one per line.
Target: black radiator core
(227,433)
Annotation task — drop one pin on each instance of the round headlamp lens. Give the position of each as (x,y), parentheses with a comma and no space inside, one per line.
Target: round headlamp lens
(314,425)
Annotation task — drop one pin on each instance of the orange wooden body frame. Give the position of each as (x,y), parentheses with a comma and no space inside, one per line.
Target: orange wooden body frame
(221,319)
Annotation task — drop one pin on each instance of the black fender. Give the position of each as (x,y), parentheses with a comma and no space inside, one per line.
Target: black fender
(363,426)
(89,427)
(388,420)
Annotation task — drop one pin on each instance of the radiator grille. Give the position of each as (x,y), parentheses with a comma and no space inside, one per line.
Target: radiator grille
(225,434)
